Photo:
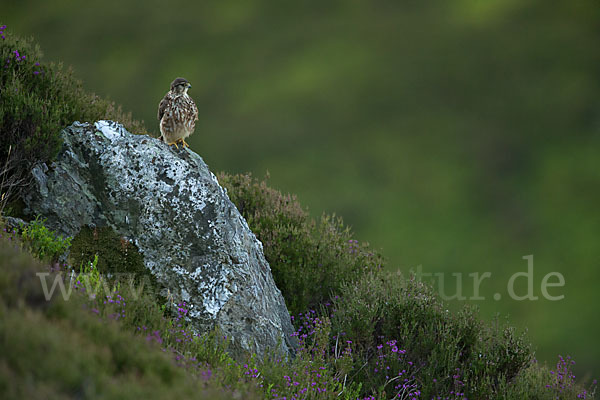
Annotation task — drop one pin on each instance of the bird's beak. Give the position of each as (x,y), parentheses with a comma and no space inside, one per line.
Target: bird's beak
(189,85)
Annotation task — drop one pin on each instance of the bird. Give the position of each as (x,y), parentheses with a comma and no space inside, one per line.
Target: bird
(177,114)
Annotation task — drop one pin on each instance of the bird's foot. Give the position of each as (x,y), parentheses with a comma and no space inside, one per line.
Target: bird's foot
(183,143)
(173,143)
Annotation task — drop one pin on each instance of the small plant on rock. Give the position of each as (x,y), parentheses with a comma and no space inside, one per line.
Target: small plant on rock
(42,242)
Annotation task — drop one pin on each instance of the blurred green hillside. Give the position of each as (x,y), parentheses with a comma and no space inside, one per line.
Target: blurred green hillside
(460,136)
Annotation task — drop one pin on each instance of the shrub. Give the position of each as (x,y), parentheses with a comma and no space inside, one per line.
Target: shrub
(37,100)
(563,385)
(310,260)
(315,373)
(43,243)
(398,326)
(403,339)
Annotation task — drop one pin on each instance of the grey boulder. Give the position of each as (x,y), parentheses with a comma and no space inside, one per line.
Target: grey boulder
(191,236)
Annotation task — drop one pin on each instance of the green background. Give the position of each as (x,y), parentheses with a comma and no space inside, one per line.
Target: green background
(457,135)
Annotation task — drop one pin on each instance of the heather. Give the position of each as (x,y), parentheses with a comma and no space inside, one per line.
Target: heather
(83,348)
(310,258)
(37,100)
(383,337)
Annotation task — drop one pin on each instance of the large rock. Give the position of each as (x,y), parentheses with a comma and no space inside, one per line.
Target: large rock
(167,202)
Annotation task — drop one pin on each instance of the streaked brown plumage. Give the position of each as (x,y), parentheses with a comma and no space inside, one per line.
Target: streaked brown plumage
(177,113)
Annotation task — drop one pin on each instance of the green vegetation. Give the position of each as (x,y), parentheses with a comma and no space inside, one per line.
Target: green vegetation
(389,323)
(442,351)
(43,243)
(115,253)
(458,135)
(363,332)
(310,260)
(313,261)
(38,100)
(385,336)
(84,349)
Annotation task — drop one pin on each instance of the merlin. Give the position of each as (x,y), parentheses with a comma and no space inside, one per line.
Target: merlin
(177,113)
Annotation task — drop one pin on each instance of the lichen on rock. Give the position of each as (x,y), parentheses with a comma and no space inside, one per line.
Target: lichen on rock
(168,204)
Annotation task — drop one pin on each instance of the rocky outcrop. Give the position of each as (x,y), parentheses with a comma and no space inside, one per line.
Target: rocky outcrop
(167,202)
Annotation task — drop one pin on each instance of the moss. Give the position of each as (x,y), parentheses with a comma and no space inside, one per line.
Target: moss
(116,254)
